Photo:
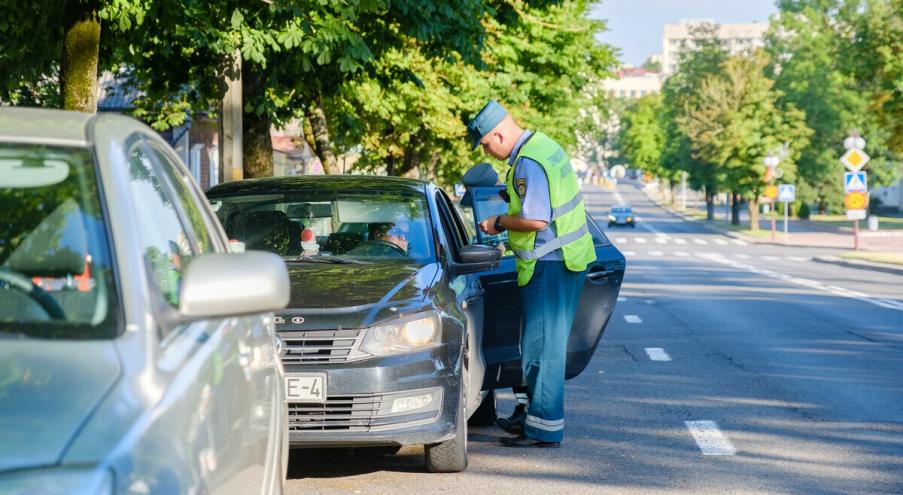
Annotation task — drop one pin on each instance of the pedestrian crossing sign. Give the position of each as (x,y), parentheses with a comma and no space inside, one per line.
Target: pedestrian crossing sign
(855,182)
(786,193)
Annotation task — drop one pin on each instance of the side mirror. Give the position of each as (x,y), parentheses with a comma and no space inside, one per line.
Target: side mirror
(234,284)
(476,258)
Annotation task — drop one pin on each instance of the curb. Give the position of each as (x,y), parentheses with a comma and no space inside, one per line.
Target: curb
(863,265)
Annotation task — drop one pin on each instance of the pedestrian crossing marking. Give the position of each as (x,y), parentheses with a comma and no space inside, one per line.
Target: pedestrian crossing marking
(680,241)
(657,354)
(709,438)
(721,242)
(738,242)
(700,241)
(770,258)
(742,256)
(633,319)
(621,240)
(797,258)
(656,253)
(660,240)
(628,253)
(682,254)
(640,240)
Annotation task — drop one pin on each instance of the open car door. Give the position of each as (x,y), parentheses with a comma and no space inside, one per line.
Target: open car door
(502,320)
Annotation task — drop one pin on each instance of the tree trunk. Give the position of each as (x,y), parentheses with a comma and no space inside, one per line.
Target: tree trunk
(754,214)
(78,65)
(410,164)
(320,128)
(709,204)
(258,143)
(735,208)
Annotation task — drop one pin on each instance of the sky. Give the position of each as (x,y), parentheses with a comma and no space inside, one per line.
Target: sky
(635,26)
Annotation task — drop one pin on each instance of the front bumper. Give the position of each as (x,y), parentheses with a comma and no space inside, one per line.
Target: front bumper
(359,398)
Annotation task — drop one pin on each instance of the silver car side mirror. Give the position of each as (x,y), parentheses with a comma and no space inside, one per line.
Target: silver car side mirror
(234,284)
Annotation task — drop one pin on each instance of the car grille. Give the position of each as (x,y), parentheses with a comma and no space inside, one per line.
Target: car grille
(322,346)
(350,413)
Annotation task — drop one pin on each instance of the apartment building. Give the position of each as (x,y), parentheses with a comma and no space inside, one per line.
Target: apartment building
(736,38)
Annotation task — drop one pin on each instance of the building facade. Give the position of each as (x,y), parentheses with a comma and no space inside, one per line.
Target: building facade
(633,83)
(736,38)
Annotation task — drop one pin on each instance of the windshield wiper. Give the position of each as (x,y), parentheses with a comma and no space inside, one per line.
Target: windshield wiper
(329,260)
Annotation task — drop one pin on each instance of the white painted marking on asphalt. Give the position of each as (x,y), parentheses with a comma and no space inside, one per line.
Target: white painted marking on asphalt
(798,258)
(633,319)
(700,241)
(678,240)
(709,438)
(661,240)
(770,258)
(742,256)
(721,242)
(639,240)
(620,240)
(621,298)
(655,253)
(628,253)
(682,254)
(739,242)
(657,354)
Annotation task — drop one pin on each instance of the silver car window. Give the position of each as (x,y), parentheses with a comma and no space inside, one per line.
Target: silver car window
(56,275)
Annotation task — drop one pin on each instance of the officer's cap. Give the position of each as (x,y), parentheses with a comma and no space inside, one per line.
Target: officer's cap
(488,117)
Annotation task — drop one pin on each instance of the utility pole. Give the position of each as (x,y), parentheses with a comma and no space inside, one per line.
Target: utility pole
(683,190)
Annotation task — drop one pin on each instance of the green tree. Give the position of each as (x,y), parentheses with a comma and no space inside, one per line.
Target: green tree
(642,135)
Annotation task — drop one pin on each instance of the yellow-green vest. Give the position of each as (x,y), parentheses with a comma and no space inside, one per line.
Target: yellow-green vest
(568,213)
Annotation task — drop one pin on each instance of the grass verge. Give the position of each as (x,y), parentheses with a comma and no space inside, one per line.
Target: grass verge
(888,258)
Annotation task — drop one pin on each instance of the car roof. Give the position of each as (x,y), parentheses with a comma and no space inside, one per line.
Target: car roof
(625,206)
(271,185)
(44,126)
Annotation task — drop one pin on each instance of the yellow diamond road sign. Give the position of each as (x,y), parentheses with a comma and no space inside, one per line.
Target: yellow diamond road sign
(854,159)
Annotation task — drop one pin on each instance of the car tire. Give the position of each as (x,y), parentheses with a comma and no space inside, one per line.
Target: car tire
(450,456)
(633,226)
(485,415)
(610,224)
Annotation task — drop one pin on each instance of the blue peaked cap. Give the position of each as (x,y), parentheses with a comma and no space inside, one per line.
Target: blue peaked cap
(491,114)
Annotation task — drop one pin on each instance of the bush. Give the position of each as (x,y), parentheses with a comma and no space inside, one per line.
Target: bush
(804,211)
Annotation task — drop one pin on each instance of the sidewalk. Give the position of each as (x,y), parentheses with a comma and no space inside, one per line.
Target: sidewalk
(804,233)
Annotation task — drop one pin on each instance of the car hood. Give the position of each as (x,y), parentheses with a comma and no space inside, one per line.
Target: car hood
(48,389)
(353,296)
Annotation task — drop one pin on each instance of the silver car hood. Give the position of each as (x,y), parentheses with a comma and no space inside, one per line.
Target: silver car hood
(48,389)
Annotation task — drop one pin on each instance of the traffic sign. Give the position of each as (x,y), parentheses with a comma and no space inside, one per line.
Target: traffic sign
(856,200)
(856,214)
(786,193)
(855,182)
(854,159)
(618,171)
(771,192)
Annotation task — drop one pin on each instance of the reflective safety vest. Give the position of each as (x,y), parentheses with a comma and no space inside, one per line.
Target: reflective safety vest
(568,214)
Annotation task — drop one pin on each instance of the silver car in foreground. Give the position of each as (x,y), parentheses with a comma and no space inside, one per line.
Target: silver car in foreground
(136,354)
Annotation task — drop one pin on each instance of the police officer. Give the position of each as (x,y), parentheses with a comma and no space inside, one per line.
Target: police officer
(547,229)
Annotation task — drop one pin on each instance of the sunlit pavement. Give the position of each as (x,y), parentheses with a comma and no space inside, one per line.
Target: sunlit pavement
(727,367)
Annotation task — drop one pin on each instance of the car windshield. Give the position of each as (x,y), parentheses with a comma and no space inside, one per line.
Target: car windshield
(620,210)
(56,277)
(331,226)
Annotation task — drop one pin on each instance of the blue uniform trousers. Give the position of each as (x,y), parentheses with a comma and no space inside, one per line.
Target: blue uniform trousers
(549,304)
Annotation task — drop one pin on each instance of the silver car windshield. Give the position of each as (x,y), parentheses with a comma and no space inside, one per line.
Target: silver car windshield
(56,276)
(332,226)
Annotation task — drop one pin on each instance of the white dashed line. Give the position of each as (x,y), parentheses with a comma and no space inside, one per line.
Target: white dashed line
(628,253)
(770,258)
(680,241)
(640,240)
(700,241)
(742,256)
(739,242)
(661,240)
(656,253)
(621,240)
(633,319)
(682,254)
(709,438)
(657,354)
(797,258)
(721,242)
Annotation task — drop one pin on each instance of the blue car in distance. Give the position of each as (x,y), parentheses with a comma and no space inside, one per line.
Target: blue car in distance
(622,215)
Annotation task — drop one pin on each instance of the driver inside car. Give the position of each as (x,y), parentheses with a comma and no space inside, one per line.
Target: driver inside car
(391,233)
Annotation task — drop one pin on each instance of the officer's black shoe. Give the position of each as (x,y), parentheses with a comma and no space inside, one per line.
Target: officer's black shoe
(514,424)
(525,441)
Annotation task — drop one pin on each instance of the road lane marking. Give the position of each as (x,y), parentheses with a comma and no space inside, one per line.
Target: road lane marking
(742,256)
(770,258)
(721,242)
(679,240)
(628,253)
(797,258)
(661,240)
(709,438)
(621,298)
(657,354)
(621,240)
(640,240)
(633,319)
(682,254)
(739,242)
(656,253)
(812,284)
(700,241)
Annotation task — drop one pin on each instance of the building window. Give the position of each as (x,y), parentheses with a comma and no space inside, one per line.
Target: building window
(622,93)
(633,93)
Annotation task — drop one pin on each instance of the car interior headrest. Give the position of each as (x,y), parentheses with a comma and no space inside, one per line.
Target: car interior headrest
(57,247)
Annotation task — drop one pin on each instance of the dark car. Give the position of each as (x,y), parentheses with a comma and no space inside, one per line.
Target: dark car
(622,215)
(382,332)
(502,327)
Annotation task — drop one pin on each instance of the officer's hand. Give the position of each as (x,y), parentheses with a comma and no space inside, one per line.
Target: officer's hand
(488,225)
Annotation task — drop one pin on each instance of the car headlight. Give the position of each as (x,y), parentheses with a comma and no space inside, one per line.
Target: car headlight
(62,480)
(405,334)
(612,218)
(629,219)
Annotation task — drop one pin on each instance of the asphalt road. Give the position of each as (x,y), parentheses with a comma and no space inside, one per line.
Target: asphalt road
(727,367)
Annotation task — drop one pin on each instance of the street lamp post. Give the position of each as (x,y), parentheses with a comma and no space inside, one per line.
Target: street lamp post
(771,162)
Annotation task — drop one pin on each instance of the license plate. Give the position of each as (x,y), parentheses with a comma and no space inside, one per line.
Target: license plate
(308,387)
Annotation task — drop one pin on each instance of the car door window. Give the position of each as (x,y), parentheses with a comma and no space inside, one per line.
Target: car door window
(178,183)
(164,239)
(451,233)
(463,238)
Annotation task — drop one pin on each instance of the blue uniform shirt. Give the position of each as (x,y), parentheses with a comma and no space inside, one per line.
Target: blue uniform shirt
(536,203)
